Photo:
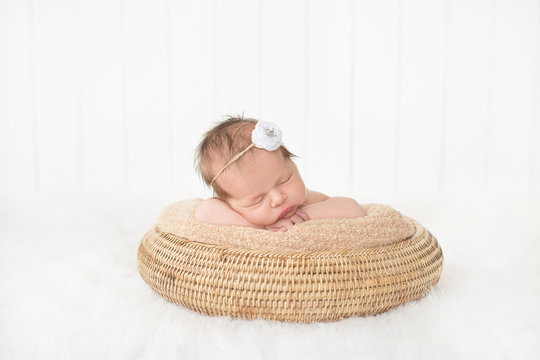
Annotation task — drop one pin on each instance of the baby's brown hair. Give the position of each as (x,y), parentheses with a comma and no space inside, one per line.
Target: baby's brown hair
(222,143)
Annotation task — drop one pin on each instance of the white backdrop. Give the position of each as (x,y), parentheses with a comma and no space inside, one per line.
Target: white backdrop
(392,97)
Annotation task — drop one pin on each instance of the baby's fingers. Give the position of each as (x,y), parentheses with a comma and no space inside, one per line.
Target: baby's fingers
(302,214)
(296,219)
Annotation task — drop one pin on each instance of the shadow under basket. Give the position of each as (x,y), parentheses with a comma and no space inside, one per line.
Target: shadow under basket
(289,286)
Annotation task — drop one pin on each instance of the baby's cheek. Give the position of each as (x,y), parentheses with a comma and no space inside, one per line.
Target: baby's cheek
(300,192)
(261,216)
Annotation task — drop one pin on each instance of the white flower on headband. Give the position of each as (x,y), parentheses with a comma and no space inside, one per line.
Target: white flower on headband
(266,135)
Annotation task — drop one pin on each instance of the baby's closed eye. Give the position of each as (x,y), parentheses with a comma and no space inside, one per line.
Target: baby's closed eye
(257,201)
(286,180)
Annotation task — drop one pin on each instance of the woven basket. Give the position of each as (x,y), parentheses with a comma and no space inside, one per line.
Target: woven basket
(289,286)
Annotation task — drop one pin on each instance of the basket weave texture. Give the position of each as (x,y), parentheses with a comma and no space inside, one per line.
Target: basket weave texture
(289,286)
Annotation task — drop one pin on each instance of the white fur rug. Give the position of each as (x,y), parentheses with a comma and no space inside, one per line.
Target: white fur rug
(69,289)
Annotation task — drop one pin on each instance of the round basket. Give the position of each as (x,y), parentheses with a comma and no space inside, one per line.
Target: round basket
(289,286)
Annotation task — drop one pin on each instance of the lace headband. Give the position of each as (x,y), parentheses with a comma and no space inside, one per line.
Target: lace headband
(266,135)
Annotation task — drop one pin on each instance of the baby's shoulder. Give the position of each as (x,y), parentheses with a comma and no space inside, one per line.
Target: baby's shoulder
(315,197)
(208,206)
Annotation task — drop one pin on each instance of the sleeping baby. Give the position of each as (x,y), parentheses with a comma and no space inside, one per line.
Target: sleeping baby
(255,181)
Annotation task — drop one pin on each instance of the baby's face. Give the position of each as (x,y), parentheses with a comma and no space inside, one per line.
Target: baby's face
(265,188)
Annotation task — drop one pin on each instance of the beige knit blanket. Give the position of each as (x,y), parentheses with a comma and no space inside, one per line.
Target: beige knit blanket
(381,226)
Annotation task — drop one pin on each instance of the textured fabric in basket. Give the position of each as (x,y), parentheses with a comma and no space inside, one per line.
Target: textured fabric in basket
(381,226)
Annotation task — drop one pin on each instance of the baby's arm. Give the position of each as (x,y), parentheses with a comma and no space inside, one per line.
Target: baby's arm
(334,207)
(218,212)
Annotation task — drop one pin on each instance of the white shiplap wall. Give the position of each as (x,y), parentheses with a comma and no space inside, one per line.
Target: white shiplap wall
(377,97)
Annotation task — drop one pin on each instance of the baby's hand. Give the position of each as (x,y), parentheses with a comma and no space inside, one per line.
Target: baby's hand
(283,225)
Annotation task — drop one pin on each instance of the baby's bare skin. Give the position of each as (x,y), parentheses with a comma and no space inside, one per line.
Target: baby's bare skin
(216,211)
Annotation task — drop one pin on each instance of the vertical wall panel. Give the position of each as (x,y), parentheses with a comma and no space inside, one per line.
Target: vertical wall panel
(283,72)
(468,97)
(421,114)
(329,101)
(516,26)
(535,135)
(375,106)
(536,128)
(101,94)
(237,46)
(146,95)
(16,143)
(192,92)
(57,94)
(536,153)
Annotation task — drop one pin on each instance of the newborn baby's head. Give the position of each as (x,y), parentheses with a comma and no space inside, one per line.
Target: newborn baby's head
(260,184)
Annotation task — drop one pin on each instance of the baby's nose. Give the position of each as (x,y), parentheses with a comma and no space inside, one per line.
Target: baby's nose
(278,198)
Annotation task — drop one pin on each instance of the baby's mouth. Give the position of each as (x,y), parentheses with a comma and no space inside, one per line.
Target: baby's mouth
(288,211)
